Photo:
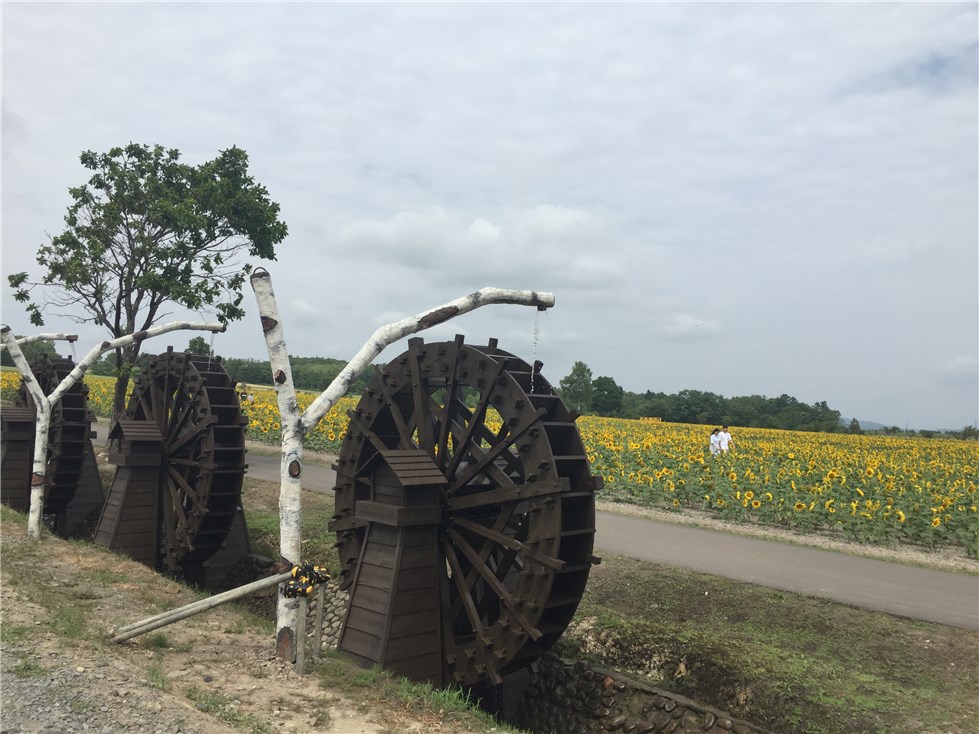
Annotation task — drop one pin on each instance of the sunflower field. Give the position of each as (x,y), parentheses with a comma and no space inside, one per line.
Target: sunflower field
(875,489)
(871,488)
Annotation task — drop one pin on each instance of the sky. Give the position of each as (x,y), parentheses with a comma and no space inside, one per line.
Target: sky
(746,199)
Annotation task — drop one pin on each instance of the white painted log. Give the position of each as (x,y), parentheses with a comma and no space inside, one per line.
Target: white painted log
(44,403)
(290,487)
(41,425)
(387,335)
(44,338)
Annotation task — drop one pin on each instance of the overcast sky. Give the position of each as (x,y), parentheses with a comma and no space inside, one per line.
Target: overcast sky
(738,198)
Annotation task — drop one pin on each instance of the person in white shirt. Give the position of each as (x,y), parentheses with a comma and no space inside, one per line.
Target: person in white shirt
(725,440)
(715,442)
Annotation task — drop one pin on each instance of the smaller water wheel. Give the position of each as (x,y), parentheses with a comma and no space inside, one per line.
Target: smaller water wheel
(465,516)
(72,489)
(176,495)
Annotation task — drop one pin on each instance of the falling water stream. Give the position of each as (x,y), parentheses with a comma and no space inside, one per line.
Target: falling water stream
(533,362)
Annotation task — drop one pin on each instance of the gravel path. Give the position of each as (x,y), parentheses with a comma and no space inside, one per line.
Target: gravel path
(55,691)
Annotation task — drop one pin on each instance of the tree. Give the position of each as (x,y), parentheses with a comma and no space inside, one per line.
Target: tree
(606,396)
(147,230)
(576,388)
(199,345)
(970,433)
(855,426)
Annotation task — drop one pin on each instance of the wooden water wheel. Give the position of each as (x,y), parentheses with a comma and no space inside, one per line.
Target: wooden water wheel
(465,515)
(72,488)
(180,459)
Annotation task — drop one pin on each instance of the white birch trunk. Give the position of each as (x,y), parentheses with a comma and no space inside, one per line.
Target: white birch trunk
(295,426)
(43,338)
(290,488)
(45,403)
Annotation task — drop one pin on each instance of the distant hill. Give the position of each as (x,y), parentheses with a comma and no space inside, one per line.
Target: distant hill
(868,425)
(865,425)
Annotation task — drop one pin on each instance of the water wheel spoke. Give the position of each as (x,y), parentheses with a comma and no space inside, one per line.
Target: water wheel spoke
(492,439)
(187,436)
(178,420)
(511,543)
(196,498)
(362,425)
(507,494)
(474,469)
(470,608)
(493,473)
(503,519)
(446,415)
(476,419)
(176,485)
(399,421)
(142,401)
(422,415)
(169,522)
(494,583)
(190,462)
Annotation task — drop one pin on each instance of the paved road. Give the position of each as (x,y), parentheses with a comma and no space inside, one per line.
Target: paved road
(906,591)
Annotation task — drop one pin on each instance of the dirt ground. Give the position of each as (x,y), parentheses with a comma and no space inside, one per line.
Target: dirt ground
(211,674)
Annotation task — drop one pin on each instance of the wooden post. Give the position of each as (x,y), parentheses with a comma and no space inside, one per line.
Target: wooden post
(318,632)
(301,636)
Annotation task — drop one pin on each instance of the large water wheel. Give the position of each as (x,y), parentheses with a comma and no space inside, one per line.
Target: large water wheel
(465,515)
(180,457)
(72,487)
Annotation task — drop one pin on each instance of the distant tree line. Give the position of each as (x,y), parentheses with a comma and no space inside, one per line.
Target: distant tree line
(308,373)
(603,396)
(580,390)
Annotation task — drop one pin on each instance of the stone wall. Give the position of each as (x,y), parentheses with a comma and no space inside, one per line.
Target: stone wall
(334,609)
(578,699)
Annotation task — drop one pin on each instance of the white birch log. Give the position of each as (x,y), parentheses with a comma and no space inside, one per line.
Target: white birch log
(295,426)
(45,403)
(43,408)
(387,335)
(290,486)
(43,338)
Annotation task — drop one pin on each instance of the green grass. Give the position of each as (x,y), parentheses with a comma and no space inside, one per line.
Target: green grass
(28,669)
(156,675)
(105,578)
(791,663)
(10,633)
(223,708)
(69,620)
(157,641)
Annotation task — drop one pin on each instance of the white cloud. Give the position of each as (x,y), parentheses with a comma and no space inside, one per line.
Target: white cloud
(686,327)
(677,174)
(962,370)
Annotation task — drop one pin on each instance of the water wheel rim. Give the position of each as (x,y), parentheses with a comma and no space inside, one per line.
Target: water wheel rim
(68,431)
(501,540)
(179,393)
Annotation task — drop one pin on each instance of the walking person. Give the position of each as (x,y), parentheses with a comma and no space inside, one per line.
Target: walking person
(715,442)
(725,440)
